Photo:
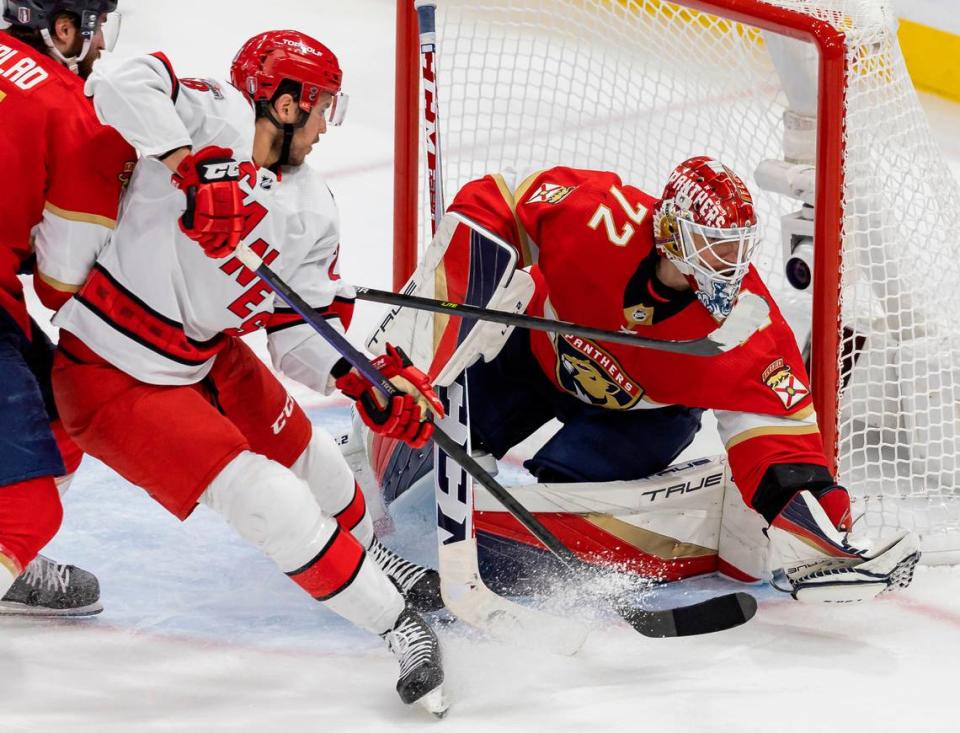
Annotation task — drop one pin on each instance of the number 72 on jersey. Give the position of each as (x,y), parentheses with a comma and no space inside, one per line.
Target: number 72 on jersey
(618,236)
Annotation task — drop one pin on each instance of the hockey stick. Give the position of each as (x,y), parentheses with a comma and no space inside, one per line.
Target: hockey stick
(714,614)
(749,315)
(463,590)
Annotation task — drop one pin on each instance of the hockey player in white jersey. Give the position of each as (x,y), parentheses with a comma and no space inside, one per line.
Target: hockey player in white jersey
(153,378)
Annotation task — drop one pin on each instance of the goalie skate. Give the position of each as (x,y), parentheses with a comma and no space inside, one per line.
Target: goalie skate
(419,586)
(822,566)
(49,588)
(417,650)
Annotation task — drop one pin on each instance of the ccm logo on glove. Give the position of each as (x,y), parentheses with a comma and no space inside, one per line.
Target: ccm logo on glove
(223,170)
(213,216)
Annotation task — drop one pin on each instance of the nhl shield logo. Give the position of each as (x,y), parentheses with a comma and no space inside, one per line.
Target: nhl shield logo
(638,315)
(24,15)
(785,384)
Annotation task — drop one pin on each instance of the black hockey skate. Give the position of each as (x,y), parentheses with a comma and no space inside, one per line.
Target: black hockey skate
(48,588)
(417,649)
(419,586)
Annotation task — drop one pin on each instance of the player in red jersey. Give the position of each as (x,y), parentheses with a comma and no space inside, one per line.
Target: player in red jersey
(608,255)
(66,172)
(153,378)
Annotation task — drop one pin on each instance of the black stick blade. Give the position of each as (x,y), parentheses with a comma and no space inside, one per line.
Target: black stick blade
(715,614)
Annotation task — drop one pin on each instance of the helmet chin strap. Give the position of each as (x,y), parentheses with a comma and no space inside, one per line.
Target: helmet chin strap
(71,62)
(288,130)
(284,158)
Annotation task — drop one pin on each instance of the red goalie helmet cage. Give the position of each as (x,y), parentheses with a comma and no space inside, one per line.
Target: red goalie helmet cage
(269,58)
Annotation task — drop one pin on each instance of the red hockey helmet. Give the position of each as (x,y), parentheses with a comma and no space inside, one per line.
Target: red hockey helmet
(272,57)
(705,224)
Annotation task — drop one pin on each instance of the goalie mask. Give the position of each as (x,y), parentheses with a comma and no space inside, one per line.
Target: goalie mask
(706,226)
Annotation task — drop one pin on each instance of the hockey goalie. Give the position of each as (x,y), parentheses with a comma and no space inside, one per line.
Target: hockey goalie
(597,252)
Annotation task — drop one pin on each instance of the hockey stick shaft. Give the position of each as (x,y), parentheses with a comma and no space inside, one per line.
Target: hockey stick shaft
(712,615)
(426,10)
(487,610)
(694,347)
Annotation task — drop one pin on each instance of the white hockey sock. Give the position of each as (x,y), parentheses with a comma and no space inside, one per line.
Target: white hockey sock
(329,477)
(273,509)
(7,574)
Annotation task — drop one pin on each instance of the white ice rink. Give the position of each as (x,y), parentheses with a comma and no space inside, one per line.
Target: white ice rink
(202,634)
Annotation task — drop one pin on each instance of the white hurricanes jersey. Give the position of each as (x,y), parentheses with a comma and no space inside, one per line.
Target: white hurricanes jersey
(155,305)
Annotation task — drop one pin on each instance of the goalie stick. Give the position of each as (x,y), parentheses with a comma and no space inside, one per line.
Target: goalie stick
(714,614)
(463,590)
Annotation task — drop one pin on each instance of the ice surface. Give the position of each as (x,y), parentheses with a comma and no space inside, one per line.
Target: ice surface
(201,633)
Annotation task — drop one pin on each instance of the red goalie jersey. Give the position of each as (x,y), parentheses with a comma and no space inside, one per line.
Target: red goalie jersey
(589,238)
(69,172)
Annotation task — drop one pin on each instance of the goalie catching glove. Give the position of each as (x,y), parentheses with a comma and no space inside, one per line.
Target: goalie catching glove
(405,416)
(214,214)
(811,538)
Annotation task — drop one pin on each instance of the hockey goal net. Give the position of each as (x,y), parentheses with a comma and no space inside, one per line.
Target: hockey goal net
(810,101)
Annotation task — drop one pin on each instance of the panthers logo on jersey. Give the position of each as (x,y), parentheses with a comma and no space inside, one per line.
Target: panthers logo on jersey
(592,375)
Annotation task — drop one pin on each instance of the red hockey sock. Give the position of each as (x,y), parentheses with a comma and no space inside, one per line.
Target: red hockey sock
(333,569)
(351,515)
(70,451)
(30,515)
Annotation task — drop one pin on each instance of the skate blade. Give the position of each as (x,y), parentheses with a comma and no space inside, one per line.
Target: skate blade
(435,702)
(8,608)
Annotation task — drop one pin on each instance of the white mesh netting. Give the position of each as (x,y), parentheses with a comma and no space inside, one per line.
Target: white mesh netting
(635,86)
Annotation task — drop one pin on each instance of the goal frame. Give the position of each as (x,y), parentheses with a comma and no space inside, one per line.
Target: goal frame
(828,210)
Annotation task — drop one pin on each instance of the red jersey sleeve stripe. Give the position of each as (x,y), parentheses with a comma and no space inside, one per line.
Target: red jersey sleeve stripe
(174,81)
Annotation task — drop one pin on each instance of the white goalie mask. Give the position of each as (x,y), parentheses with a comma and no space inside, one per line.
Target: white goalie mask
(706,226)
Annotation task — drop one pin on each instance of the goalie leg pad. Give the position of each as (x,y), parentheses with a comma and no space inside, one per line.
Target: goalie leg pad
(744,553)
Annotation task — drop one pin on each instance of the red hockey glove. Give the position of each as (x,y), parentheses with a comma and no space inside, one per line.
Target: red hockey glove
(406,417)
(214,214)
